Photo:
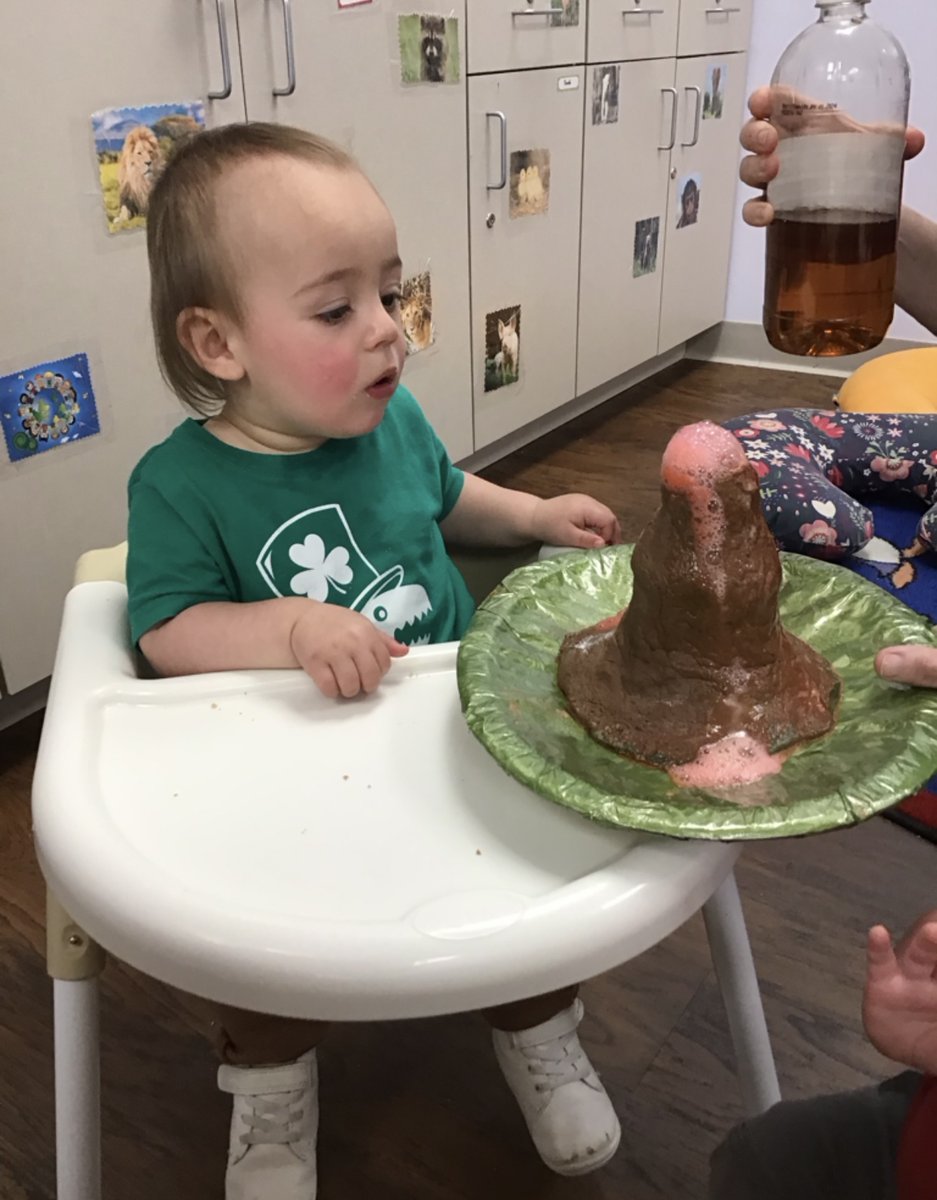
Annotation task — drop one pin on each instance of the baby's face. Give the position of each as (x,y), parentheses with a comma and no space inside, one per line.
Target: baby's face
(315,256)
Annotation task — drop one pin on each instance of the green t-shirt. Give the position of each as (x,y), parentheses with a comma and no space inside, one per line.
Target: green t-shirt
(355,523)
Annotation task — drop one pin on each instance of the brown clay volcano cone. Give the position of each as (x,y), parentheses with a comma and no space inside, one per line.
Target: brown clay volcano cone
(700,654)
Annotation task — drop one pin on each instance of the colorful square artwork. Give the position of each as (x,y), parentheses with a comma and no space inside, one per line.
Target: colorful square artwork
(133,146)
(429,48)
(47,405)
(502,348)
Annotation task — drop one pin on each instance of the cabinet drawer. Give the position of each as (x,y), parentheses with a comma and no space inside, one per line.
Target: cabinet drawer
(505,35)
(624,30)
(714,26)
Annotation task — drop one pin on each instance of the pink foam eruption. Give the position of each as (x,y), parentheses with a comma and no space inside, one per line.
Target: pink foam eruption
(697,459)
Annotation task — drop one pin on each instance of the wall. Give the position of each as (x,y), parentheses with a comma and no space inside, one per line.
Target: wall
(776,23)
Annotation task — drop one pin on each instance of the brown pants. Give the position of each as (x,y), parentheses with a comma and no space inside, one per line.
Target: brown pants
(251,1039)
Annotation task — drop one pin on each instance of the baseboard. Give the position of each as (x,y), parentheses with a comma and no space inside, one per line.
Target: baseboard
(529,433)
(23,704)
(743,344)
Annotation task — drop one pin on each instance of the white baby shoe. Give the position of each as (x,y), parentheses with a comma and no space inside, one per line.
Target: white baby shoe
(272,1152)
(567,1110)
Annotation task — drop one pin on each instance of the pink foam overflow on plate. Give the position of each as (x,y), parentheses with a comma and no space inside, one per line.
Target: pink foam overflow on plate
(731,762)
(696,459)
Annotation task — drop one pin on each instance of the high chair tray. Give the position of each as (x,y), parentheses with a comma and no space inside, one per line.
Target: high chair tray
(241,837)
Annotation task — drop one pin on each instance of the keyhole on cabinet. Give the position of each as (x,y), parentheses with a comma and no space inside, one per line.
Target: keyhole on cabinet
(490,220)
(673,173)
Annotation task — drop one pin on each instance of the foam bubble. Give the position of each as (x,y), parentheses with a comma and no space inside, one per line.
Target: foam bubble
(699,456)
(732,761)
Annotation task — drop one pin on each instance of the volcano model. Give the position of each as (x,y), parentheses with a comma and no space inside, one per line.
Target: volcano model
(698,676)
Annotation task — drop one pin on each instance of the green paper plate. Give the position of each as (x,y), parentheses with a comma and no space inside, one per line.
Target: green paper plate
(883,748)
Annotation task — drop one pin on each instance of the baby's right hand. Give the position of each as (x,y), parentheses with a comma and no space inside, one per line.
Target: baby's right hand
(341,651)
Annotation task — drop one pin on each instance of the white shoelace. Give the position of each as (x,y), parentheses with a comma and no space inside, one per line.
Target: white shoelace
(555,1064)
(272,1121)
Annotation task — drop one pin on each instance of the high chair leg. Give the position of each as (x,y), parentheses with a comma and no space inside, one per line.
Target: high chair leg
(74,962)
(735,970)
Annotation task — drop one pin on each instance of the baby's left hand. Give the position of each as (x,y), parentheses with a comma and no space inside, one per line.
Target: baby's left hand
(574,520)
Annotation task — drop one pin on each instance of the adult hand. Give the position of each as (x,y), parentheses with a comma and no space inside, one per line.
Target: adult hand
(761,138)
(900,1003)
(915,665)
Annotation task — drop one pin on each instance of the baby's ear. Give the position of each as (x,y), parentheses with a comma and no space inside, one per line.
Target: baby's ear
(205,334)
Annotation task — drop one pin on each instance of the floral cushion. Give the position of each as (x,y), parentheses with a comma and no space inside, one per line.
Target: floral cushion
(815,467)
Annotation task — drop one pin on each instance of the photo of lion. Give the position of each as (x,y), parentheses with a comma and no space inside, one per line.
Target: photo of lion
(133,146)
(138,168)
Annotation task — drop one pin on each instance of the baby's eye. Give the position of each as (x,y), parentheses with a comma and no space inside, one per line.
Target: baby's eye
(391,299)
(334,316)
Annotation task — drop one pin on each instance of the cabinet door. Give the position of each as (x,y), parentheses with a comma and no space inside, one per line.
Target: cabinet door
(525,144)
(714,26)
(701,211)
(631,29)
(346,83)
(506,35)
(624,222)
(72,287)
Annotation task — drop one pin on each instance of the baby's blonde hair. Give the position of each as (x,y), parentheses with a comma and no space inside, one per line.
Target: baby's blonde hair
(188,265)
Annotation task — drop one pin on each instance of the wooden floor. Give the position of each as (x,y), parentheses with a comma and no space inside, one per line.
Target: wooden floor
(418,1111)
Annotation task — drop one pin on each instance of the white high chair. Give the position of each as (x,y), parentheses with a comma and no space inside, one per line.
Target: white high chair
(395,871)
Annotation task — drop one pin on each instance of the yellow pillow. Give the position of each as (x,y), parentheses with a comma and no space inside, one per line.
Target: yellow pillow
(904,382)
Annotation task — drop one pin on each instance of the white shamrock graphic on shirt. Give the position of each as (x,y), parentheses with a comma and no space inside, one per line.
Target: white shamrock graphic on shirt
(321,568)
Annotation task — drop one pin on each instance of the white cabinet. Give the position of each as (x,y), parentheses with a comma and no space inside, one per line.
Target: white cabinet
(714,26)
(525,170)
(510,35)
(70,286)
(345,83)
(625,218)
(701,208)
(630,29)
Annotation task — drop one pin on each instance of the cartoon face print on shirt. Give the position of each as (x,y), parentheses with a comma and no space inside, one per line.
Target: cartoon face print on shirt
(315,554)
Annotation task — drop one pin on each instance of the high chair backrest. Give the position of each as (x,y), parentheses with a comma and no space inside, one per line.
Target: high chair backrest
(483,569)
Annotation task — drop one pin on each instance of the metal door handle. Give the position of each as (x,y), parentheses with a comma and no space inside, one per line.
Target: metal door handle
(721,10)
(535,12)
(497,187)
(290,58)
(643,12)
(225,54)
(699,116)
(671,91)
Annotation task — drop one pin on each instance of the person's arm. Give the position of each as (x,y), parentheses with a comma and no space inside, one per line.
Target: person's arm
(488,515)
(340,650)
(916,292)
(900,1003)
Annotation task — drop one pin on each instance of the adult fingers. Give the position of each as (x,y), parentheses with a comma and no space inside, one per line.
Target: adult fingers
(761,103)
(758,213)
(759,136)
(916,665)
(757,170)
(915,142)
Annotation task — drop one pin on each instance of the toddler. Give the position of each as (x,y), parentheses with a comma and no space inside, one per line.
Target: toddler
(303,522)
